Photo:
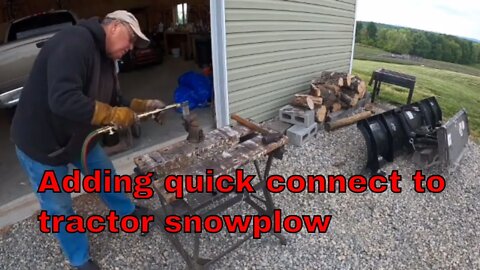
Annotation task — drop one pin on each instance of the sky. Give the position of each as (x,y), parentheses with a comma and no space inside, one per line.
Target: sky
(454,17)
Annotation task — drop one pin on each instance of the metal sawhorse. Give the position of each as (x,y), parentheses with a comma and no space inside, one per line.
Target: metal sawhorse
(391,77)
(224,150)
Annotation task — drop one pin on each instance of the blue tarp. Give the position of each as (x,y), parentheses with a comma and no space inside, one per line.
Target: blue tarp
(195,88)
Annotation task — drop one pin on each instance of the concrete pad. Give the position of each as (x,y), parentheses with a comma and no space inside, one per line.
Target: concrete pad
(159,81)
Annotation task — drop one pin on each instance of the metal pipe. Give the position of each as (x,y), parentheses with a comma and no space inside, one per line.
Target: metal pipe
(147,114)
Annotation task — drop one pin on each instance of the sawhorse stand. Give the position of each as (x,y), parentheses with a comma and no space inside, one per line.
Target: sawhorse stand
(224,150)
(391,77)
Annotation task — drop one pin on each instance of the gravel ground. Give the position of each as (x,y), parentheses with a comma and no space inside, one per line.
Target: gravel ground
(368,231)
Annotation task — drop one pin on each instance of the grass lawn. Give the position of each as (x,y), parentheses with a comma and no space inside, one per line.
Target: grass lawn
(363,52)
(453,90)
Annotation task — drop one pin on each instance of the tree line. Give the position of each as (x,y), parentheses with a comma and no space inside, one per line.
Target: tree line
(424,44)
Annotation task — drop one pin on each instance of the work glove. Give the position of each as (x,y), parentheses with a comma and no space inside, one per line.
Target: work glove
(147,105)
(121,117)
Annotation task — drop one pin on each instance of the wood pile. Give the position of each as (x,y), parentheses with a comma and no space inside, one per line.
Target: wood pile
(330,93)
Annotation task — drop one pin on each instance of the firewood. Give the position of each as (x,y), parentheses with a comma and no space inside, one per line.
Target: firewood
(334,88)
(334,115)
(340,82)
(331,78)
(350,100)
(344,104)
(317,101)
(303,101)
(362,89)
(369,107)
(315,91)
(347,121)
(355,100)
(321,114)
(346,98)
(349,79)
(328,96)
(337,106)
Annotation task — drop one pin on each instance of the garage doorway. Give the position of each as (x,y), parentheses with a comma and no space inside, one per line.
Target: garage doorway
(183,33)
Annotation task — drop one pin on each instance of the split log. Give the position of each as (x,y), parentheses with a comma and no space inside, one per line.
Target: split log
(332,116)
(340,82)
(350,100)
(328,96)
(333,88)
(348,120)
(346,98)
(362,89)
(332,78)
(344,104)
(315,91)
(321,114)
(349,79)
(338,87)
(317,101)
(303,101)
(358,86)
(337,106)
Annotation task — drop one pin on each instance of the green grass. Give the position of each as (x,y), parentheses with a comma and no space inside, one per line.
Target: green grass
(363,52)
(453,90)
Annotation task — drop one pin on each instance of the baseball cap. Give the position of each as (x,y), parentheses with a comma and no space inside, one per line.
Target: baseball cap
(127,17)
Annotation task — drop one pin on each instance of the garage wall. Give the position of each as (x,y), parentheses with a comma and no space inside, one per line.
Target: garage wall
(275,47)
(157,10)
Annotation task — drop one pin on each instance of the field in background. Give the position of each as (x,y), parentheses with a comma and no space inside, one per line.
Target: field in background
(453,89)
(363,52)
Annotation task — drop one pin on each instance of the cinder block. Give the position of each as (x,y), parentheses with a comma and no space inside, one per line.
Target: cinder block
(297,135)
(297,116)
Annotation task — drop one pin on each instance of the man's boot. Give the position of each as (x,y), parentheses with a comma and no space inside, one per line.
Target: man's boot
(89,265)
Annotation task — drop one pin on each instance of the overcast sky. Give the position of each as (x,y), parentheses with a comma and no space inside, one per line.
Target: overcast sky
(454,17)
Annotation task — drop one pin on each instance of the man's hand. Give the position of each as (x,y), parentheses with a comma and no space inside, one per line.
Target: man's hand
(122,117)
(148,105)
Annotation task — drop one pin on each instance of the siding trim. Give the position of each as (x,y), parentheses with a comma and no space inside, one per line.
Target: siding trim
(219,60)
(353,39)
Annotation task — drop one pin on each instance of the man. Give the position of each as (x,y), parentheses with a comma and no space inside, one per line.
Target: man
(72,90)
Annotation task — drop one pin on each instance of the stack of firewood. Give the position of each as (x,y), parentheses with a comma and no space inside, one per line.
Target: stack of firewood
(331,92)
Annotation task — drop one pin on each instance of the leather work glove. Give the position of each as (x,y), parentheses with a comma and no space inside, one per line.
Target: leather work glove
(122,117)
(147,105)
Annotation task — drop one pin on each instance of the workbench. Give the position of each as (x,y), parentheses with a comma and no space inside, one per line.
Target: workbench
(224,150)
(175,40)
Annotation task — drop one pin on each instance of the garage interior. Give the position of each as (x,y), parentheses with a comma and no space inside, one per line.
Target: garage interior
(181,38)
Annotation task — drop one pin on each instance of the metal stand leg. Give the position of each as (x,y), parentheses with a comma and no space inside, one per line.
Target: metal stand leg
(268,196)
(374,91)
(194,261)
(410,94)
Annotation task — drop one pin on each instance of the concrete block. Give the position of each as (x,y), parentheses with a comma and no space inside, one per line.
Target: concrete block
(297,135)
(297,116)
(277,125)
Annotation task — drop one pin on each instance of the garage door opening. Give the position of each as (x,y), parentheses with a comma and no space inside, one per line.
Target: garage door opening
(178,62)
(181,37)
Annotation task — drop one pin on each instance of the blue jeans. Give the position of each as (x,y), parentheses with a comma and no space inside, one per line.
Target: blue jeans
(74,245)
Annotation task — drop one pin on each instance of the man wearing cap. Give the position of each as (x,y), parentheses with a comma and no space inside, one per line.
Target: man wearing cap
(72,90)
